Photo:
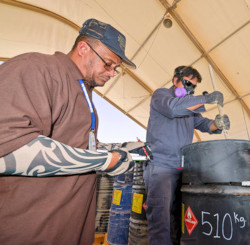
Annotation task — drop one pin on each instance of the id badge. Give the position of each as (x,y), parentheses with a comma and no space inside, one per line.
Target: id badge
(92,143)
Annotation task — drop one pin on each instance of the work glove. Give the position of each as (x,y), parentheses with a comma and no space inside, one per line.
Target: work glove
(222,122)
(124,164)
(214,98)
(139,148)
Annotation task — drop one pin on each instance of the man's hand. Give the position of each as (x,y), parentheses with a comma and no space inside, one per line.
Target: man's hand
(222,122)
(133,147)
(214,98)
(139,148)
(124,164)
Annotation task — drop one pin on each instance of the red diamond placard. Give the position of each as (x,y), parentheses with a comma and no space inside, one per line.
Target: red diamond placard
(190,220)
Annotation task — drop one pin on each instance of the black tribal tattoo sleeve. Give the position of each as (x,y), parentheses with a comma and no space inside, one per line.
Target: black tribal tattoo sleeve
(43,157)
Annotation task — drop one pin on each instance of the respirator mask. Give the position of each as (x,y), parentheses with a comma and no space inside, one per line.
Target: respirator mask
(186,90)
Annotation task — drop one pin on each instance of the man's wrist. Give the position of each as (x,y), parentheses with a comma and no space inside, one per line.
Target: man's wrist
(115,158)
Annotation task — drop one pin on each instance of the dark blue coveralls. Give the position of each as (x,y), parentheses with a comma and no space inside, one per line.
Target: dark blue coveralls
(170,127)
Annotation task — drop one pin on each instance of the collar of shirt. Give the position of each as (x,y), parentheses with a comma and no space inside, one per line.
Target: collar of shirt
(71,66)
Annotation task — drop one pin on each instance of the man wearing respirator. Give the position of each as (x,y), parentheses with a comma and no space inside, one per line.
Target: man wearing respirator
(174,114)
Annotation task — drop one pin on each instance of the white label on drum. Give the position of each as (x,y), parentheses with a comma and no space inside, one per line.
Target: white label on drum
(245,183)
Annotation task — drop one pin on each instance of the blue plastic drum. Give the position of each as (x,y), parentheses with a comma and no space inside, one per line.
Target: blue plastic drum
(118,228)
(126,178)
(122,198)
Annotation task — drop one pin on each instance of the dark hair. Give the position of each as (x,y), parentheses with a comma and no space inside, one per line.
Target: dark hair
(186,71)
(84,38)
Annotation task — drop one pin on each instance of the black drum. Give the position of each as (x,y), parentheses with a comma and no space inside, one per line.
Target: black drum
(138,232)
(103,201)
(139,202)
(138,174)
(218,161)
(216,193)
(138,221)
(216,214)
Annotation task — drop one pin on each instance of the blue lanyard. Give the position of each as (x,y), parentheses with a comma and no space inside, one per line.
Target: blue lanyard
(89,104)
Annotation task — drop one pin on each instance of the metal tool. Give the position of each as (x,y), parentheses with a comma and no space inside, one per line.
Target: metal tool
(215,89)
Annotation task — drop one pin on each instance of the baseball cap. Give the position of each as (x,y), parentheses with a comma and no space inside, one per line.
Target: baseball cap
(109,36)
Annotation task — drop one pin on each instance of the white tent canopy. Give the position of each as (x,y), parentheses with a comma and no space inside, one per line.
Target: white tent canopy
(203,33)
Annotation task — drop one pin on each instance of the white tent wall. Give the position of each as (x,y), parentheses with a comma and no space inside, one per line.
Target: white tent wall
(203,33)
(23,30)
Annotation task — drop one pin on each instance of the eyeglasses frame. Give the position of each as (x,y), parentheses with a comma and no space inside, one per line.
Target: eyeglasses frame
(106,65)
